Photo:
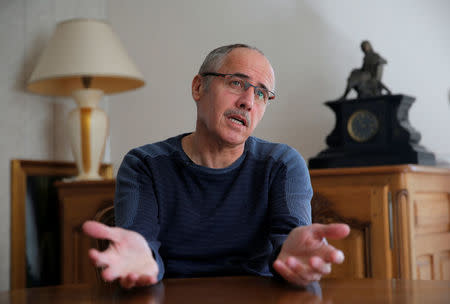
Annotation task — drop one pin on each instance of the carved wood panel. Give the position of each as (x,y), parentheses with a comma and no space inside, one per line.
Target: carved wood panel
(364,209)
(80,201)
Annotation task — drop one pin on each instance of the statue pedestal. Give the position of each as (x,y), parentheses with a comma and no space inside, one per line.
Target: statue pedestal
(372,132)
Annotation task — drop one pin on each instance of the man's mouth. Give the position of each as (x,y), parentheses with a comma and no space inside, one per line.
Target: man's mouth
(238,117)
(238,120)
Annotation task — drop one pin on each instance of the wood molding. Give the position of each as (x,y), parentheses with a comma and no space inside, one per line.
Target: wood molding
(401,234)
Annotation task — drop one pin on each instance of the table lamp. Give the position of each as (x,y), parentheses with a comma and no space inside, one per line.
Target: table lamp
(85,59)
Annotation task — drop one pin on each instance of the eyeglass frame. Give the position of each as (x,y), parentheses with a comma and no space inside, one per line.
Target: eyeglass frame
(246,83)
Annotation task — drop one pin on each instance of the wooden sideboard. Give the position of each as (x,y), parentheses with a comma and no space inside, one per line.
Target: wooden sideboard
(79,202)
(399,217)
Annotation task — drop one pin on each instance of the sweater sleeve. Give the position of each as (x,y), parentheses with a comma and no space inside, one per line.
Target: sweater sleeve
(289,200)
(135,203)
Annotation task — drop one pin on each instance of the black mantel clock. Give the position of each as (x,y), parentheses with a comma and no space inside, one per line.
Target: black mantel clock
(372,131)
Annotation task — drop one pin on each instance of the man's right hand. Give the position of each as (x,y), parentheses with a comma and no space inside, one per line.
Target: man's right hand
(128,257)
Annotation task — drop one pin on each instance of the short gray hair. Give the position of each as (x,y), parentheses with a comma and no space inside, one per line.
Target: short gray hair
(216,57)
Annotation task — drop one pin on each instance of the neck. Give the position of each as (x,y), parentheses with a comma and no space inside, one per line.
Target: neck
(210,153)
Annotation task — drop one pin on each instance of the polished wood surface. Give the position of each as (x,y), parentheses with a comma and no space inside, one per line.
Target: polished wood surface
(242,290)
(380,170)
(20,170)
(399,215)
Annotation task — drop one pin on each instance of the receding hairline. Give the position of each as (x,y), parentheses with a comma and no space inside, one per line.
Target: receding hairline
(217,57)
(214,60)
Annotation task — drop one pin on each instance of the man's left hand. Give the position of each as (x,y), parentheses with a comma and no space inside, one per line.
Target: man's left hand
(306,256)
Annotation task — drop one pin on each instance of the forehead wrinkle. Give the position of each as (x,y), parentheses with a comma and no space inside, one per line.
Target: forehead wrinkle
(241,75)
(238,58)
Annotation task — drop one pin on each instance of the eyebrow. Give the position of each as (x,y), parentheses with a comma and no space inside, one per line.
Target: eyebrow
(262,85)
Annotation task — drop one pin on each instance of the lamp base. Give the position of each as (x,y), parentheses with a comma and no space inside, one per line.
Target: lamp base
(88,128)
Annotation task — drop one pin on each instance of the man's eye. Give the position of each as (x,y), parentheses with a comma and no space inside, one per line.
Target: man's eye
(236,83)
(261,95)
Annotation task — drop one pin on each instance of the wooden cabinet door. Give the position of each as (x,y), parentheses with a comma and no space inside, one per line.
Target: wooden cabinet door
(76,266)
(366,210)
(79,202)
(432,234)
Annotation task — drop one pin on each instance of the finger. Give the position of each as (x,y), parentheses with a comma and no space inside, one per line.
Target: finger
(329,254)
(153,279)
(110,274)
(331,231)
(298,268)
(319,265)
(288,274)
(337,257)
(302,271)
(93,256)
(129,281)
(99,259)
(99,231)
(93,253)
(145,280)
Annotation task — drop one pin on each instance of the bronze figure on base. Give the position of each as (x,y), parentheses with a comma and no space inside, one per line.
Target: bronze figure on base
(366,81)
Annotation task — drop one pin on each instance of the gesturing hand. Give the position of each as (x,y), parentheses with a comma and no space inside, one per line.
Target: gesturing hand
(127,258)
(305,256)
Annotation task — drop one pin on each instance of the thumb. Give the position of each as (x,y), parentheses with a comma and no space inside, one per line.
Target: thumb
(331,231)
(99,231)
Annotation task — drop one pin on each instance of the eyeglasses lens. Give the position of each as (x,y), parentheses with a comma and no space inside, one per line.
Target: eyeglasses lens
(238,86)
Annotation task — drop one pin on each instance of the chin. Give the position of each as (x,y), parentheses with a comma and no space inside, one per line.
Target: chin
(235,140)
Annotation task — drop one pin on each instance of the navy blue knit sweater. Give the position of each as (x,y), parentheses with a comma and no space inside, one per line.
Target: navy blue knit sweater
(200,221)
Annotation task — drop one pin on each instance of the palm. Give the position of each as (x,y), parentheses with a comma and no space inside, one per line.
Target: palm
(127,258)
(127,255)
(302,244)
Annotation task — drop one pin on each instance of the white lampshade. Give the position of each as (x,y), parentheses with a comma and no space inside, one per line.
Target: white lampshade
(79,48)
(85,59)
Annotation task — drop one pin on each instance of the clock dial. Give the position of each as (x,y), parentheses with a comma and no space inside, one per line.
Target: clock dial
(362,125)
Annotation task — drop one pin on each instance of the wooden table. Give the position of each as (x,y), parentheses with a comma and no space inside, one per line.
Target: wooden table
(241,290)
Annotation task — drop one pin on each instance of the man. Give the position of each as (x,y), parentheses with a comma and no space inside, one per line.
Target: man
(217,201)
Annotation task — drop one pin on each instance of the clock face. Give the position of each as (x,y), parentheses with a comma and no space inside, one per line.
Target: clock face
(362,125)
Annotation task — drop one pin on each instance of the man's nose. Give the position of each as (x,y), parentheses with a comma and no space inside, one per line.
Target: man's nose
(247,98)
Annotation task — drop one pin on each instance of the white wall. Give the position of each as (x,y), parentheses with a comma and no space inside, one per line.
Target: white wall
(29,124)
(313,45)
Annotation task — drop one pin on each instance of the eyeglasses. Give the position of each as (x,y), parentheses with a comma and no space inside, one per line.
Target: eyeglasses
(238,85)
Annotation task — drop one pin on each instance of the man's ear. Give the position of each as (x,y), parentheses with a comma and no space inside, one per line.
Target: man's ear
(197,87)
